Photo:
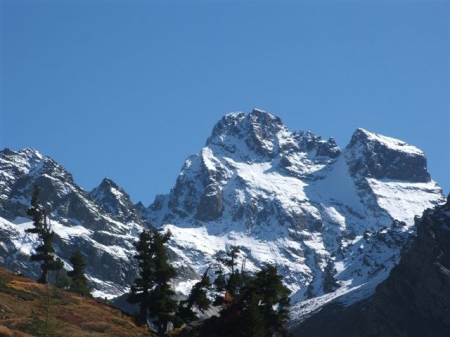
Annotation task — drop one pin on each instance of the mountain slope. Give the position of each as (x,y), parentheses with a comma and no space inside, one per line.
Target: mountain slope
(333,220)
(300,202)
(92,222)
(68,314)
(414,301)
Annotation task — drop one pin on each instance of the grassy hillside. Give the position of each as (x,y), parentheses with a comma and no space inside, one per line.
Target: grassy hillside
(28,308)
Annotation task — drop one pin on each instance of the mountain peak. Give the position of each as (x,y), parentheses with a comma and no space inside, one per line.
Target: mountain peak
(246,135)
(109,183)
(112,198)
(31,153)
(264,117)
(389,142)
(377,156)
(27,157)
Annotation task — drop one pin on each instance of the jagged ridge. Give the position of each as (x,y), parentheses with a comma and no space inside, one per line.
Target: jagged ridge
(289,198)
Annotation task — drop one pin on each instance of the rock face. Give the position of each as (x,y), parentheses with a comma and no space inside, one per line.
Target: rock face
(103,224)
(384,157)
(415,299)
(116,202)
(332,220)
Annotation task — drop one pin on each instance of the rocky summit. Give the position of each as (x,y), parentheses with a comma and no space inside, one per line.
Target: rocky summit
(333,220)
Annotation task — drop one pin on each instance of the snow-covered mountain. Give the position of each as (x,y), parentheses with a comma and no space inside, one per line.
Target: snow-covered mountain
(103,224)
(333,220)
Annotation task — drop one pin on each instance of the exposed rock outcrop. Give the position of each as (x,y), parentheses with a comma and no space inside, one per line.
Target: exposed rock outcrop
(415,299)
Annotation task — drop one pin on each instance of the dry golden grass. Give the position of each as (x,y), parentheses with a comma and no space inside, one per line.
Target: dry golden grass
(26,286)
(70,314)
(7,332)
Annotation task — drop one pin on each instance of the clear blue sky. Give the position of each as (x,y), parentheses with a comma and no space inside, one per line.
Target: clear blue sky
(128,89)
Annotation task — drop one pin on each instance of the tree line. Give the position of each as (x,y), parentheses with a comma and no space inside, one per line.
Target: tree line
(75,280)
(250,304)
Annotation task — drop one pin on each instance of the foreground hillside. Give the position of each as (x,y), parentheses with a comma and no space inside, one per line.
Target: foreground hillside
(25,307)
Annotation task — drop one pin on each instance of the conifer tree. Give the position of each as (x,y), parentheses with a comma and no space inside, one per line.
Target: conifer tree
(140,291)
(254,318)
(44,252)
(78,283)
(162,306)
(229,260)
(197,298)
(266,296)
(151,290)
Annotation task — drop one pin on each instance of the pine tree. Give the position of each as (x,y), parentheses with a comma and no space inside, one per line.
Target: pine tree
(44,252)
(78,282)
(258,308)
(267,289)
(152,289)
(234,279)
(162,306)
(140,291)
(197,298)
(254,318)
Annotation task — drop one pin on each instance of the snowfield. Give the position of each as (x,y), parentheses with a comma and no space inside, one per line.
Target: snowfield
(294,200)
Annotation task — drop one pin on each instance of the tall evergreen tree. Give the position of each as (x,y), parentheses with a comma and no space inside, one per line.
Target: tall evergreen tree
(140,291)
(78,283)
(44,252)
(152,289)
(162,305)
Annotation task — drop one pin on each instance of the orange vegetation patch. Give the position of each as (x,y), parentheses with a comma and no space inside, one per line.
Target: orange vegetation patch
(70,318)
(25,301)
(29,287)
(7,332)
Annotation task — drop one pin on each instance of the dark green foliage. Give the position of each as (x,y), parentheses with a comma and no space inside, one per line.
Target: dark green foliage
(258,308)
(262,304)
(78,282)
(254,318)
(152,289)
(162,305)
(139,292)
(267,287)
(62,280)
(232,281)
(197,298)
(44,252)
(220,283)
(230,259)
